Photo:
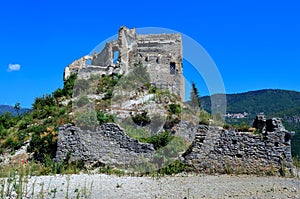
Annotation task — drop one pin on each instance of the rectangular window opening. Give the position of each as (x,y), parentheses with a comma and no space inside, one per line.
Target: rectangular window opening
(172,68)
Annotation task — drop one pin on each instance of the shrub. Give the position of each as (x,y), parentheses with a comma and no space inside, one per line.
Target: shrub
(141,119)
(7,120)
(243,127)
(204,117)
(152,89)
(58,93)
(69,85)
(173,168)
(105,118)
(175,109)
(159,140)
(106,83)
(41,102)
(26,120)
(108,95)
(227,126)
(43,141)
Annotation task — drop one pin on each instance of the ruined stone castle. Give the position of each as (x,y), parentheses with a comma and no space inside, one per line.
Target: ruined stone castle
(160,53)
(211,149)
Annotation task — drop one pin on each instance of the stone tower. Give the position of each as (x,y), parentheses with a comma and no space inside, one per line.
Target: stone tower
(160,53)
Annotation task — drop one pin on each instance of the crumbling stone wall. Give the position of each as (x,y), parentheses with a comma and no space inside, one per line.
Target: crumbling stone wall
(109,144)
(218,150)
(213,149)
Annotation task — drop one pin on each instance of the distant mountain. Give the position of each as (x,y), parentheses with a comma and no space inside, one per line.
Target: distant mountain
(10,109)
(272,102)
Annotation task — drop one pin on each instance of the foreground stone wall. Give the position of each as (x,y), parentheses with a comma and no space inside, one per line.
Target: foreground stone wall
(108,144)
(213,149)
(224,151)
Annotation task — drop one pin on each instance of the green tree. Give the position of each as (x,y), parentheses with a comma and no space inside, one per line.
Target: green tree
(57,94)
(17,108)
(69,85)
(195,98)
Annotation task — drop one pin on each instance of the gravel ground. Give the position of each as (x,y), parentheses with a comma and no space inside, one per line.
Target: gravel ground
(202,186)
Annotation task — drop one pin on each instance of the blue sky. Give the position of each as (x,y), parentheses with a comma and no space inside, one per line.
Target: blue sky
(255,44)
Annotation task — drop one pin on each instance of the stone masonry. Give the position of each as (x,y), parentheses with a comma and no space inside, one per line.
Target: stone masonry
(218,150)
(108,145)
(160,53)
(213,150)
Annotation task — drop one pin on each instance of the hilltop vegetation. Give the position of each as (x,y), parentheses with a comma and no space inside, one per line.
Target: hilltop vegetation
(71,104)
(270,101)
(38,129)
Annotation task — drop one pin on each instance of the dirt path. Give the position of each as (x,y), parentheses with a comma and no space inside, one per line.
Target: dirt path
(109,186)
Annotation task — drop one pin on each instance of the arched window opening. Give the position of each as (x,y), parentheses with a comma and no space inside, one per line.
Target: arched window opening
(88,62)
(116,57)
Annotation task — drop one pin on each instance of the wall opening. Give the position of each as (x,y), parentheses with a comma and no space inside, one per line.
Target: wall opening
(172,68)
(88,62)
(239,155)
(116,57)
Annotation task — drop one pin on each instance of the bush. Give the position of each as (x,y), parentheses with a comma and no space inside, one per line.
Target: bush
(25,121)
(141,119)
(159,140)
(227,126)
(69,85)
(173,168)
(43,141)
(204,117)
(152,89)
(175,109)
(41,102)
(106,83)
(13,143)
(7,120)
(108,95)
(105,118)
(243,127)
(58,93)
